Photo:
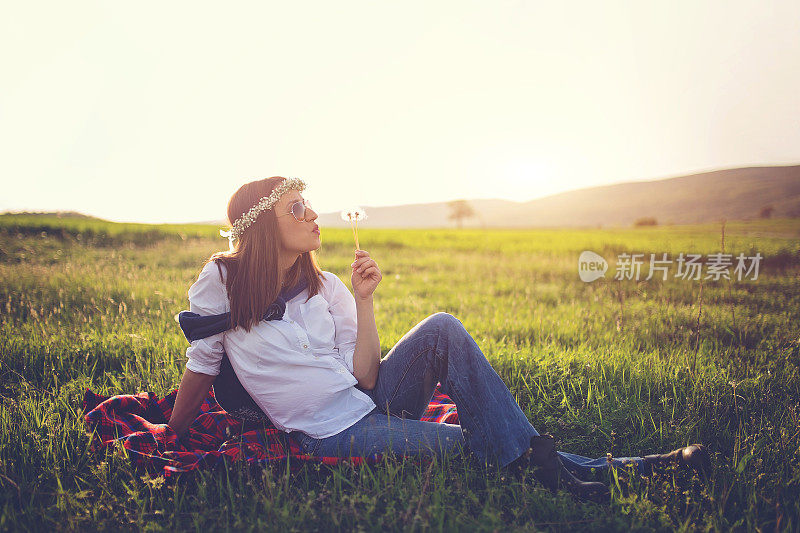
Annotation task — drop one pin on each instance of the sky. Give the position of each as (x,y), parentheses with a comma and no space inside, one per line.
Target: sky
(158,111)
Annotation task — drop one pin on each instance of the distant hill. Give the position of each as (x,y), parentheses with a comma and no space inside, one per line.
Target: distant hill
(733,194)
(57,214)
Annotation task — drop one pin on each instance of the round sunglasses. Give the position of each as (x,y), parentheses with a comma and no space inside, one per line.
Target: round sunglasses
(298,209)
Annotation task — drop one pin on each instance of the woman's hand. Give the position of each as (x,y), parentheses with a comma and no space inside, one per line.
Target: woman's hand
(366,275)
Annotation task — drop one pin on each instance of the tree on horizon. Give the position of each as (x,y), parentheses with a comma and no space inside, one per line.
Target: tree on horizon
(459,210)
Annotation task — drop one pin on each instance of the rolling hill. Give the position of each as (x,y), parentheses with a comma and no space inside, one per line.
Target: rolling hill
(732,194)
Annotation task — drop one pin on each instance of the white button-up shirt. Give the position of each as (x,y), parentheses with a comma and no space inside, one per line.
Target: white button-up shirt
(299,369)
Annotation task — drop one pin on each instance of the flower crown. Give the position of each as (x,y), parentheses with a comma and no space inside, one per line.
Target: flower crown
(265,203)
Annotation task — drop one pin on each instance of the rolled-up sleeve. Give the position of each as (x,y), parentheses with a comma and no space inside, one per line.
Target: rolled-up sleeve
(343,309)
(207,296)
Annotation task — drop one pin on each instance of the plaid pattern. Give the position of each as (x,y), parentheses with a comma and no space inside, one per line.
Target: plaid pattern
(138,422)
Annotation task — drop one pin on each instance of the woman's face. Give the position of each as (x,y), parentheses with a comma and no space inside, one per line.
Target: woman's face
(297,237)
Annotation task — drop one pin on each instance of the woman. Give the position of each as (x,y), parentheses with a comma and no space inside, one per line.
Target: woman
(312,362)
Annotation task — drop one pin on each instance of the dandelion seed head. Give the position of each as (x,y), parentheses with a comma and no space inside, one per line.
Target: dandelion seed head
(353,214)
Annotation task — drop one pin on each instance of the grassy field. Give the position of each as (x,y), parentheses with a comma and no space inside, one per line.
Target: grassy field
(611,366)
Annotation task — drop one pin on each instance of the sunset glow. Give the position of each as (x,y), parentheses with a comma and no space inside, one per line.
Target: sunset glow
(159,113)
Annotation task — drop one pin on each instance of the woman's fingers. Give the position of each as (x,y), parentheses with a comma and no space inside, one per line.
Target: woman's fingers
(361,265)
(369,275)
(365,266)
(361,255)
(369,270)
(360,261)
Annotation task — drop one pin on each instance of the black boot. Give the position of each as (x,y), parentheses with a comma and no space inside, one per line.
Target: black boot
(693,457)
(543,457)
(550,471)
(585,490)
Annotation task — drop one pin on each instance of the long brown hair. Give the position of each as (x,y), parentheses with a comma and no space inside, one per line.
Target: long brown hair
(253,278)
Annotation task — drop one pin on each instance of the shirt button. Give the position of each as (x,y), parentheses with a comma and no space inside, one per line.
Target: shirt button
(305,346)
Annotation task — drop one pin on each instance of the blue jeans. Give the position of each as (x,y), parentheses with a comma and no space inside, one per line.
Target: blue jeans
(492,425)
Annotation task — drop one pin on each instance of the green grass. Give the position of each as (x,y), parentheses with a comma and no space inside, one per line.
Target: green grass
(617,366)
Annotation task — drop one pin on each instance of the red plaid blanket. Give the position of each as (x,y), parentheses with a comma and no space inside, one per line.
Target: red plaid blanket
(139,423)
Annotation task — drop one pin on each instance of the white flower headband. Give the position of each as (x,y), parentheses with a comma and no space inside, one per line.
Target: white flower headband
(265,203)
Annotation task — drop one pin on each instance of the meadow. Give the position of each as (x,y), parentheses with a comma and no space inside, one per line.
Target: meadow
(622,366)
